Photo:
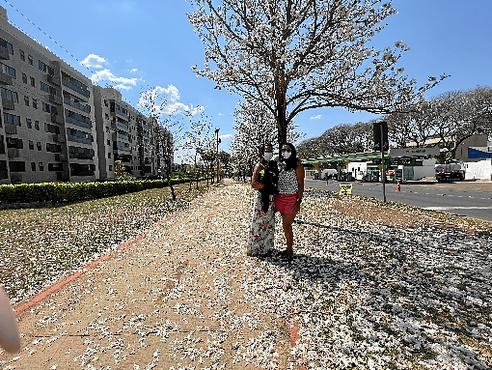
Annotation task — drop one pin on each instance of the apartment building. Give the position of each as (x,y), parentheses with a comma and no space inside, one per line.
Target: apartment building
(56,126)
(47,130)
(125,134)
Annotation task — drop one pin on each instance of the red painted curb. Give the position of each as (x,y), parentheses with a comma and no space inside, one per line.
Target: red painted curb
(22,307)
(294,338)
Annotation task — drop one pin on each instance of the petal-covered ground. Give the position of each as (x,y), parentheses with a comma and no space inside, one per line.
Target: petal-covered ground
(371,286)
(40,245)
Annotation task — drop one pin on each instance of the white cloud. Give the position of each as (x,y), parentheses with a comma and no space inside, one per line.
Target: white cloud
(316,117)
(220,114)
(226,137)
(123,83)
(173,106)
(94,61)
(133,70)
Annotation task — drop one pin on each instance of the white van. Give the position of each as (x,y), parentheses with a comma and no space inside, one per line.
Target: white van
(329,173)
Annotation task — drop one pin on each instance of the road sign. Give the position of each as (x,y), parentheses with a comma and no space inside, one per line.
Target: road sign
(345,189)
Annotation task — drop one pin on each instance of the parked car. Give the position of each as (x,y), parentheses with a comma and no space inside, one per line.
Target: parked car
(449,172)
(328,174)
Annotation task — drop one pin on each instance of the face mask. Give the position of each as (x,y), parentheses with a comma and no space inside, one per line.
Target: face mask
(286,155)
(267,156)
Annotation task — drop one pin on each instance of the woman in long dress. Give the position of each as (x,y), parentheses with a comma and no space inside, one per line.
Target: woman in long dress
(262,229)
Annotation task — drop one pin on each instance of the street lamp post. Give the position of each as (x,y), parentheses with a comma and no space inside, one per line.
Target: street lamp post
(217,151)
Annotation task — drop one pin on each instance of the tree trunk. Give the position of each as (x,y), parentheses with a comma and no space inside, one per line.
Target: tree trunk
(281,108)
(169,182)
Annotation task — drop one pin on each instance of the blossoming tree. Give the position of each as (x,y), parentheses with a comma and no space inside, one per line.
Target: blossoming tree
(292,55)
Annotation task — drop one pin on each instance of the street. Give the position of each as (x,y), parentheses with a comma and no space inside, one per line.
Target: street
(469,199)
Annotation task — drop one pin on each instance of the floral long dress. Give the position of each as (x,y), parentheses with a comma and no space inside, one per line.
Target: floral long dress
(262,230)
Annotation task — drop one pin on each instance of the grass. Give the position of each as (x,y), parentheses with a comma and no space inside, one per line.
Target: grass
(40,245)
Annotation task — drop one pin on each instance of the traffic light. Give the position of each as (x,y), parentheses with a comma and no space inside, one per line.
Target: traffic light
(380,133)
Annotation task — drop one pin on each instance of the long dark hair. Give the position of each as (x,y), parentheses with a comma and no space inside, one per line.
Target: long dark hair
(262,149)
(290,163)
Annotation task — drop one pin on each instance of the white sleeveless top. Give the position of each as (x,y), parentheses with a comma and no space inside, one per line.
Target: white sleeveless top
(287,182)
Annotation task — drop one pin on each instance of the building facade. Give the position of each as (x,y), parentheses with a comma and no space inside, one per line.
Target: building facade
(55,125)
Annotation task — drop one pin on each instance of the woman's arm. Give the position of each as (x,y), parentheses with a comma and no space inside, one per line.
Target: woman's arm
(9,335)
(255,184)
(300,173)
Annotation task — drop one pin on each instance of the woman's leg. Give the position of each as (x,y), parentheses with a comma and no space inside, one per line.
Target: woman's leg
(287,220)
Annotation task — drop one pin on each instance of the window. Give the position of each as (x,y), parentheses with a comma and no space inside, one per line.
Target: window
(24,78)
(2,146)
(26,100)
(13,142)
(39,146)
(36,125)
(11,119)
(8,70)
(35,103)
(7,45)
(109,154)
(110,167)
(33,82)
(105,103)
(42,67)
(53,148)
(30,59)
(29,123)
(33,166)
(55,167)
(31,145)
(8,95)
(17,166)
(22,55)
(46,107)
(41,166)
(44,87)
(108,142)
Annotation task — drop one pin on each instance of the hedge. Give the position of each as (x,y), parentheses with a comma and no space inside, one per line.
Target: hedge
(61,192)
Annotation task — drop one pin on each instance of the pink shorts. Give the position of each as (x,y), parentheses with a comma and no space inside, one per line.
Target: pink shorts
(286,203)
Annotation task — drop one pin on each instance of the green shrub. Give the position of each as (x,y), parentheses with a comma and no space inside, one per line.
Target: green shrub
(61,192)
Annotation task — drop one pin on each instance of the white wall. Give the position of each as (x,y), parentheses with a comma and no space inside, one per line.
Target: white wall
(358,169)
(479,170)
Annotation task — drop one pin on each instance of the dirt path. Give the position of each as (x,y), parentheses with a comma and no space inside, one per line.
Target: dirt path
(173,299)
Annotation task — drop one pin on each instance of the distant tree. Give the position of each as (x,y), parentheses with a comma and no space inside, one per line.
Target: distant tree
(339,140)
(199,139)
(292,56)
(154,102)
(120,172)
(254,127)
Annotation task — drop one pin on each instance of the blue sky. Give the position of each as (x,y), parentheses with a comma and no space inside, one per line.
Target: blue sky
(150,43)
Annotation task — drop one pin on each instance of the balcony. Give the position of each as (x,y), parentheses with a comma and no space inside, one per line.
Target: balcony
(53,79)
(10,129)
(4,53)
(60,157)
(58,138)
(5,79)
(75,87)
(55,118)
(55,99)
(8,104)
(84,124)
(86,108)
(117,112)
(13,153)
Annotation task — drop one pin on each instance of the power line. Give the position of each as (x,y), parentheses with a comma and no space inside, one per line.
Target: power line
(47,35)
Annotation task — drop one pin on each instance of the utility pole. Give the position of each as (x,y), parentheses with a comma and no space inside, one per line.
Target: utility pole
(380,132)
(217,151)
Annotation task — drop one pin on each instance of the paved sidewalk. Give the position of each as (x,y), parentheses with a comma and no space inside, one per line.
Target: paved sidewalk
(171,299)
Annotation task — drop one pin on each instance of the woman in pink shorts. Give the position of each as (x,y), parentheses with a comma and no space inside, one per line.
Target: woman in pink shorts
(290,192)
